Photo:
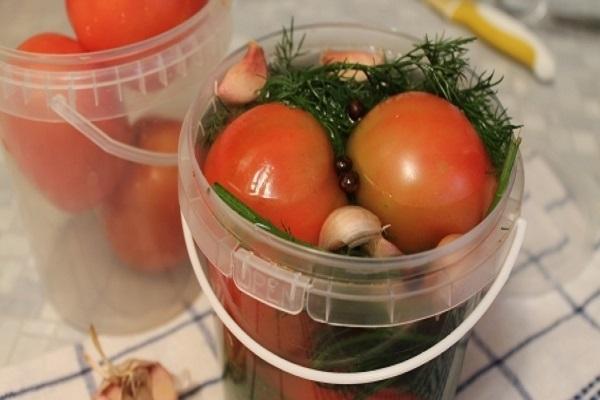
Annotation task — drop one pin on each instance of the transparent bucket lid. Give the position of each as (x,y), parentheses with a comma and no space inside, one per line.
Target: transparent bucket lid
(332,288)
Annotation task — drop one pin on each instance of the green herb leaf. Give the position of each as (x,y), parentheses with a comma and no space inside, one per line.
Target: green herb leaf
(214,121)
(249,214)
(504,179)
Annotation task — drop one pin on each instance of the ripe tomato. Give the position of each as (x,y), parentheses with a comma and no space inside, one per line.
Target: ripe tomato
(106,24)
(51,43)
(423,169)
(287,335)
(278,161)
(142,217)
(68,169)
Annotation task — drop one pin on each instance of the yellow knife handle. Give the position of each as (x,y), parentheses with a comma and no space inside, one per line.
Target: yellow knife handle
(506,34)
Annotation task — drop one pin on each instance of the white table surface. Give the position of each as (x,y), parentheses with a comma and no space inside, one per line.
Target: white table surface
(564,116)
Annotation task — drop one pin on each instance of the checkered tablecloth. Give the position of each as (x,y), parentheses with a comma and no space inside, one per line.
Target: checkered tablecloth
(541,338)
(542,346)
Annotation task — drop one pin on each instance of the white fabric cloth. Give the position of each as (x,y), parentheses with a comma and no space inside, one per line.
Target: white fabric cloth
(542,346)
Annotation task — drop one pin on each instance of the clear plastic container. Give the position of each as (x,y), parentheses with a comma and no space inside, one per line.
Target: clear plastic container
(91,141)
(321,313)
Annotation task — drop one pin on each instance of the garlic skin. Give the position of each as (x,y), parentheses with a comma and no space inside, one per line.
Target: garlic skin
(137,380)
(163,385)
(131,379)
(352,57)
(112,392)
(243,81)
(381,247)
(350,226)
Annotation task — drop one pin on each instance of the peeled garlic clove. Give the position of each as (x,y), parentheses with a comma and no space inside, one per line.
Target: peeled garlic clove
(162,384)
(381,247)
(243,81)
(350,226)
(352,57)
(448,239)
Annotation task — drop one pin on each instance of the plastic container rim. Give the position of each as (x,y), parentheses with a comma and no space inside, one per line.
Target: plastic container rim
(333,259)
(103,56)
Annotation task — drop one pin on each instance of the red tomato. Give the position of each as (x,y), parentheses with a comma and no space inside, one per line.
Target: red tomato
(142,217)
(287,335)
(278,161)
(106,24)
(51,43)
(423,169)
(68,169)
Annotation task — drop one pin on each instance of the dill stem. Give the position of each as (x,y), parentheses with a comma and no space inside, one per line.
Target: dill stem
(246,212)
(507,167)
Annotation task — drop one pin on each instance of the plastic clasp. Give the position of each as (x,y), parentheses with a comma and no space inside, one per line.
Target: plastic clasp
(271,284)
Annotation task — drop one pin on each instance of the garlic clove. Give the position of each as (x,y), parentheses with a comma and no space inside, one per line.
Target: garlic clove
(111,392)
(138,380)
(132,379)
(162,384)
(350,226)
(243,81)
(448,239)
(352,57)
(381,247)
(139,393)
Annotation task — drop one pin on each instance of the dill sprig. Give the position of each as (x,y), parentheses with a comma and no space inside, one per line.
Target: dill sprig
(214,121)
(320,91)
(287,51)
(438,66)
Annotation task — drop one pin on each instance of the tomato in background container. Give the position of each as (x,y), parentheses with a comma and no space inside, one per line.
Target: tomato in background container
(69,170)
(106,24)
(278,161)
(142,217)
(51,43)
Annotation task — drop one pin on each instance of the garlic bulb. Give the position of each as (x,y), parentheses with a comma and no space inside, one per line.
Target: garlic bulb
(132,379)
(138,380)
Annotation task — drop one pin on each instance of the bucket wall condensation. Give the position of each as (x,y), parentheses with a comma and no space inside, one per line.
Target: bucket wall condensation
(91,141)
(298,323)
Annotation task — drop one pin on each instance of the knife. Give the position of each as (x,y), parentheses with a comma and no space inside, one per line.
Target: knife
(501,31)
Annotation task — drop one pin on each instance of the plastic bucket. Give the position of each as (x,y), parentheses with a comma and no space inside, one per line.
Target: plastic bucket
(91,140)
(302,324)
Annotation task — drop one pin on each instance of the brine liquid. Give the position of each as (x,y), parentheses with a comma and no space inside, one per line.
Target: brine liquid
(304,341)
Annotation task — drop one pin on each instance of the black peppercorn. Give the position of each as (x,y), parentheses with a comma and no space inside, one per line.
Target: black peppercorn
(356,110)
(349,182)
(343,164)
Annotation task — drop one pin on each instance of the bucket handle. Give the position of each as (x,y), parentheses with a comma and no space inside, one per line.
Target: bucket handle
(111,146)
(354,378)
